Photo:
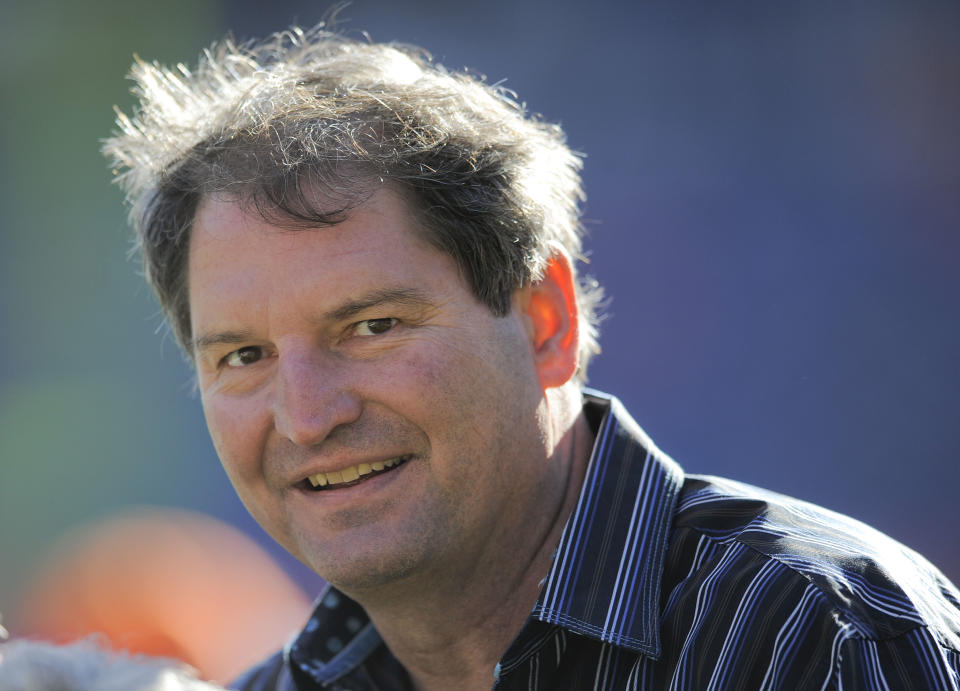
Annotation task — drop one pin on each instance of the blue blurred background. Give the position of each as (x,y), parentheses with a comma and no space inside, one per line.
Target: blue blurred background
(774,207)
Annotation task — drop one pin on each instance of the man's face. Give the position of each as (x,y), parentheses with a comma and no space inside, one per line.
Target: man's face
(334,353)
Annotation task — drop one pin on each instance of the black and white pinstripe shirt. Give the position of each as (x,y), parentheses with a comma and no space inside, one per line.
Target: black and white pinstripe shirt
(696,583)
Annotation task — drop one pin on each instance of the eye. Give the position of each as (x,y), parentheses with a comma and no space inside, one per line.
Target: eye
(374,327)
(243,356)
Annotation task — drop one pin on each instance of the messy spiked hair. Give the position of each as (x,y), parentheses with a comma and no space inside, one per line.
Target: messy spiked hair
(89,664)
(306,124)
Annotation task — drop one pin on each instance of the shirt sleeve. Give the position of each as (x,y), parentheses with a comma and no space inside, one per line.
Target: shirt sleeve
(913,660)
(263,677)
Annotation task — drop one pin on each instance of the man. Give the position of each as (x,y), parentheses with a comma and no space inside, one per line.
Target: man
(371,262)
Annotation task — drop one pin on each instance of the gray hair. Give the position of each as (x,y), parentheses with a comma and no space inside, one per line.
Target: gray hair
(308,115)
(84,666)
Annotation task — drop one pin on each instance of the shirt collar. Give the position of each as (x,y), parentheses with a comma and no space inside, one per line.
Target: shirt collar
(605,578)
(337,638)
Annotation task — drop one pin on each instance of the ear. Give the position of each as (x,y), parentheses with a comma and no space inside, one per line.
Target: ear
(554,323)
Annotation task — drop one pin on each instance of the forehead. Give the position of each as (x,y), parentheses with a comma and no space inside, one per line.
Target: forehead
(227,217)
(240,262)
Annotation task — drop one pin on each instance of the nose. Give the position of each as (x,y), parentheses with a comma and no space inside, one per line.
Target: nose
(312,396)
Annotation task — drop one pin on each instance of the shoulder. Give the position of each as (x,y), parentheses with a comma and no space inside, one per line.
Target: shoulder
(767,588)
(268,675)
(874,584)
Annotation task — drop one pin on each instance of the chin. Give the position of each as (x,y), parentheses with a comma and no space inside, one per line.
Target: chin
(356,570)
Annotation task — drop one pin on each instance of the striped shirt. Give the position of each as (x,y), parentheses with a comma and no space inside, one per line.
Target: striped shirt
(668,582)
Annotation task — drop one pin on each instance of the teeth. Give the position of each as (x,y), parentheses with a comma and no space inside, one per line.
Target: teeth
(352,473)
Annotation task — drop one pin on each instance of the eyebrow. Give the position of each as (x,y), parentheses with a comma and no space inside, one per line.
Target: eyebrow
(408,297)
(221,338)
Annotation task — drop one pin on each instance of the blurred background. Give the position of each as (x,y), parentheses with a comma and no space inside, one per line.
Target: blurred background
(774,209)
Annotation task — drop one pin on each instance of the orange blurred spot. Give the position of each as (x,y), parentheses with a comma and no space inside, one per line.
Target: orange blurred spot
(166,582)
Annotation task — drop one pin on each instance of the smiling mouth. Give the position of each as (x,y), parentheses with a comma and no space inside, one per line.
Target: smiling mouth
(347,477)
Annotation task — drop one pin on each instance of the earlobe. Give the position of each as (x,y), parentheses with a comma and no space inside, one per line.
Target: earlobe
(551,308)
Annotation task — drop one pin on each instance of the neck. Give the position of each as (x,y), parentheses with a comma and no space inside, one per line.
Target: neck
(450,626)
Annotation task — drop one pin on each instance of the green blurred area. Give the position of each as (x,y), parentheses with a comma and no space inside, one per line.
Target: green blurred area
(79,437)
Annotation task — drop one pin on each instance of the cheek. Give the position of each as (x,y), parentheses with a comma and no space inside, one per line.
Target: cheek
(421,370)
(236,434)
(467,388)
(441,374)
